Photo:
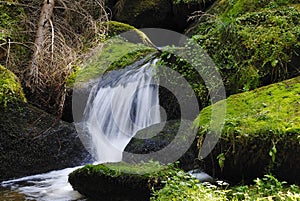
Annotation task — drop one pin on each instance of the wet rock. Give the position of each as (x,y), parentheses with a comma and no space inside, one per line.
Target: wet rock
(165,142)
(154,13)
(119,181)
(32,142)
(202,176)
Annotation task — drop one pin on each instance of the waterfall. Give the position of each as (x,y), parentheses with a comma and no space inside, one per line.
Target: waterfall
(119,105)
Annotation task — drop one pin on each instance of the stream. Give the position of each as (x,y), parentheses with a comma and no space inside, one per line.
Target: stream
(51,186)
(119,105)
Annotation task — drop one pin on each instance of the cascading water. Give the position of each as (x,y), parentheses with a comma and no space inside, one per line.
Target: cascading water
(117,108)
(119,105)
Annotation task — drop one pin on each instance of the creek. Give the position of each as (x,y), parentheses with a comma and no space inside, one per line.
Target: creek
(119,104)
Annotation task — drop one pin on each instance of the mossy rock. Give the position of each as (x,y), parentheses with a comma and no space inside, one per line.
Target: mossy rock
(115,28)
(115,53)
(10,88)
(253,43)
(261,134)
(119,181)
(142,13)
(156,13)
(149,141)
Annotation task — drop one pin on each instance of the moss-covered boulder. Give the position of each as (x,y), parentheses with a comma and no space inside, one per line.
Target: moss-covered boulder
(32,142)
(116,53)
(141,13)
(261,134)
(115,28)
(253,43)
(10,88)
(120,181)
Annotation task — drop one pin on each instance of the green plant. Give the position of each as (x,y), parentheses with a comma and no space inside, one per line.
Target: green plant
(273,152)
(12,34)
(251,42)
(267,188)
(192,71)
(10,17)
(221,160)
(183,187)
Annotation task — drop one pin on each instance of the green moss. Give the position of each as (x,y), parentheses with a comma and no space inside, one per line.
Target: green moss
(72,76)
(261,133)
(10,88)
(12,28)
(120,180)
(237,8)
(116,53)
(252,42)
(271,110)
(142,170)
(130,58)
(115,28)
(10,17)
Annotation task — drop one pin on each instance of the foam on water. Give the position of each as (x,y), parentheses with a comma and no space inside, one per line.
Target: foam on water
(51,186)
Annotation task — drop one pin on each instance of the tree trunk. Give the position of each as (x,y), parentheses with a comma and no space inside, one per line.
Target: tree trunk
(43,29)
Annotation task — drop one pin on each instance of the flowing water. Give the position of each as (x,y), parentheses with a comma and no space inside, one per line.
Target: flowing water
(51,186)
(118,106)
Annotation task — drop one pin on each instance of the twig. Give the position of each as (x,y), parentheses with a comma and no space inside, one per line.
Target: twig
(8,52)
(52,39)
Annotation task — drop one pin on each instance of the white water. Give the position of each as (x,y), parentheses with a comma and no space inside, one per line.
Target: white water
(51,186)
(116,110)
